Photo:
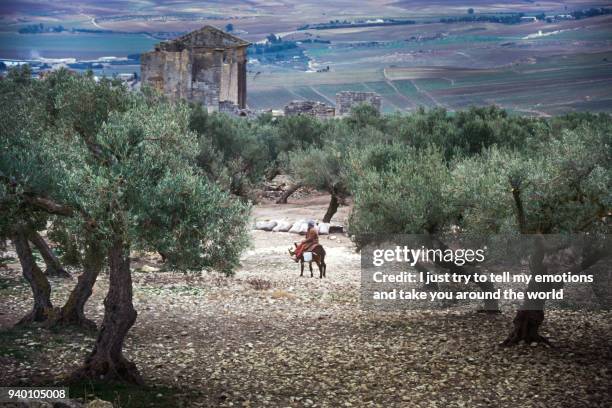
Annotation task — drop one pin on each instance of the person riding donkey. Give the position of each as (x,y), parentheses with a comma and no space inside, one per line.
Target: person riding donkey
(309,243)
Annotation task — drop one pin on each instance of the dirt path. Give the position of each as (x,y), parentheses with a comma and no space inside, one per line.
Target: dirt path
(306,342)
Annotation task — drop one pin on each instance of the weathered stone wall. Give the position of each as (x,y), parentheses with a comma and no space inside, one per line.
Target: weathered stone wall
(346,100)
(206,74)
(311,108)
(233,77)
(168,72)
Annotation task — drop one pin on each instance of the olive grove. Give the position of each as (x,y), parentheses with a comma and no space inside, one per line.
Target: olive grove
(91,172)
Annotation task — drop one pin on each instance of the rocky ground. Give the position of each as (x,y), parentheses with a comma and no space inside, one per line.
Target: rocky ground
(266,337)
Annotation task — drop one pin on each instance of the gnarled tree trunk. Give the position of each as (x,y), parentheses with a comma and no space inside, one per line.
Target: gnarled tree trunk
(41,289)
(54,267)
(73,311)
(332,208)
(106,360)
(530,316)
(287,193)
(526,328)
(543,261)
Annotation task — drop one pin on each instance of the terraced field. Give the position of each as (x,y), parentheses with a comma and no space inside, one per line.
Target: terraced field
(542,86)
(534,68)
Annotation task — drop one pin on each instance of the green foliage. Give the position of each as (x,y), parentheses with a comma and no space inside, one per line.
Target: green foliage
(239,154)
(321,168)
(30,143)
(398,190)
(365,115)
(146,175)
(300,132)
(159,174)
(565,186)
(124,162)
(82,104)
(482,192)
(464,133)
(67,234)
(234,153)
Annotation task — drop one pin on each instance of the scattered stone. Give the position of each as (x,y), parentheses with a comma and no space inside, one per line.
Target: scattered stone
(147,268)
(310,108)
(232,109)
(67,403)
(278,183)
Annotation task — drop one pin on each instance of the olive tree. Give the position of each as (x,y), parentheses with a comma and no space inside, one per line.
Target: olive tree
(143,190)
(563,187)
(323,169)
(129,182)
(234,152)
(402,190)
(45,125)
(465,132)
(29,174)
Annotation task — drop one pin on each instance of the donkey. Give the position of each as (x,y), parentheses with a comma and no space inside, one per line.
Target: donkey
(318,257)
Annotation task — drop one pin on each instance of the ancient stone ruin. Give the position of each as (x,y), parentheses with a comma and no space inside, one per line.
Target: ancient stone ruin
(346,100)
(311,108)
(230,108)
(206,66)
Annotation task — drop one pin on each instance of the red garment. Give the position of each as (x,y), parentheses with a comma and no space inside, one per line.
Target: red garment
(308,244)
(299,250)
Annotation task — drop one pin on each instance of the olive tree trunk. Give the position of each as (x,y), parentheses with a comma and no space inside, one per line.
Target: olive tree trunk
(543,261)
(288,192)
(530,316)
(41,289)
(106,361)
(334,203)
(73,311)
(54,267)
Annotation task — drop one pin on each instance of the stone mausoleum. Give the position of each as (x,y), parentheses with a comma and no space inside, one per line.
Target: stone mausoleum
(206,66)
